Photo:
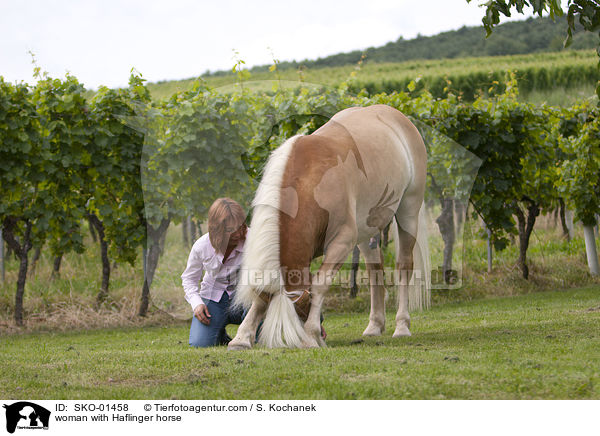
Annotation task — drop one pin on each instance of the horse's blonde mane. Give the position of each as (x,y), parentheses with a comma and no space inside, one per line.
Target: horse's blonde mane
(261,249)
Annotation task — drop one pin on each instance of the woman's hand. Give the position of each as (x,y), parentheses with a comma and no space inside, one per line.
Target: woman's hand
(201,312)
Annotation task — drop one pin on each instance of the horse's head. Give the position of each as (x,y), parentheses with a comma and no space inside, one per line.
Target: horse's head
(301,303)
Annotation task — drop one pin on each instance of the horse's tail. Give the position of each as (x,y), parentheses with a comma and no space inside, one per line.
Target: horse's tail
(419,291)
(282,327)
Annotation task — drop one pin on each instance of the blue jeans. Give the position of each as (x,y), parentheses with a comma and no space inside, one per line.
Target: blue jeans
(202,335)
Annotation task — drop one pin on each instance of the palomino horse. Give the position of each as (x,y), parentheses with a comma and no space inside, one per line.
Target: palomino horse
(322,194)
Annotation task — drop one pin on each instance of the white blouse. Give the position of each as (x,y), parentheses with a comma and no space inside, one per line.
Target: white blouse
(219,277)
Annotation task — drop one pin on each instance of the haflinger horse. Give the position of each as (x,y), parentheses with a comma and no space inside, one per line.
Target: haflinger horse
(322,194)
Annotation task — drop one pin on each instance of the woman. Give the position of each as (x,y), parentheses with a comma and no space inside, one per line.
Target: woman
(219,253)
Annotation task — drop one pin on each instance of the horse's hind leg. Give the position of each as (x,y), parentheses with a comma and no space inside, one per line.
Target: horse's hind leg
(246,334)
(407,232)
(375,269)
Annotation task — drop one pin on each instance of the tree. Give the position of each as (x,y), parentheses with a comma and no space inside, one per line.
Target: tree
(22,192)
(112,185)
(579,180)
(65,124)
(539,174)
(43,133)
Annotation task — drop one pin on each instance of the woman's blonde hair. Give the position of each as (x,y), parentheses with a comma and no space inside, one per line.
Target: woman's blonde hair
(224,213)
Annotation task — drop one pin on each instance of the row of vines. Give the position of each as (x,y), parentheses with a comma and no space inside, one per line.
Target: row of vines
(130,166)
(470,83)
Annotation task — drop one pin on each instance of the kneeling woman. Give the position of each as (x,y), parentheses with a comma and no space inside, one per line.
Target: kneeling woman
(219,253)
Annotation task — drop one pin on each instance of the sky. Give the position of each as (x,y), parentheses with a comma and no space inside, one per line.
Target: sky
(100,41)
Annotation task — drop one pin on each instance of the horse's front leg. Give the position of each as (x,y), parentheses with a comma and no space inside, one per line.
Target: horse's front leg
(246,334)
(335,254)
(312,326)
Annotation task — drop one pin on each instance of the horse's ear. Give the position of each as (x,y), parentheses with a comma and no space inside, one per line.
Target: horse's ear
(4,405)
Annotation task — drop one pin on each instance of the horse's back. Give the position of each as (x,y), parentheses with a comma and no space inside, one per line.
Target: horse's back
(385,160)
(367,124)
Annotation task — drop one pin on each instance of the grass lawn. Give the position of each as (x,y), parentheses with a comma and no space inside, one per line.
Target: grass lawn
(543,345)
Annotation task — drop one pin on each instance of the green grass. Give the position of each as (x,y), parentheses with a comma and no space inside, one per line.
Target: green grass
(561,97)
(499,336)
(544,345)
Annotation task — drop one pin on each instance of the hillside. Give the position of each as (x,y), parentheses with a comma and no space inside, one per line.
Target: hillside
(517,37)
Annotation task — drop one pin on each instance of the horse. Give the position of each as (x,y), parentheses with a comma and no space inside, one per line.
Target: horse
(321,195)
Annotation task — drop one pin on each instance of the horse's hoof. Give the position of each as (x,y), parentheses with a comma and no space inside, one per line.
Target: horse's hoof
(311,344)
(239,345)
(401,332)
(373,330)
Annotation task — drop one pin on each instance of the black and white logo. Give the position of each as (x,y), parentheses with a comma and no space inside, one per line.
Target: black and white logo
(26,415)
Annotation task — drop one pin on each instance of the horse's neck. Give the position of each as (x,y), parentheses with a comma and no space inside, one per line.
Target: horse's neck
(296,275)
(301,240)
(302,222)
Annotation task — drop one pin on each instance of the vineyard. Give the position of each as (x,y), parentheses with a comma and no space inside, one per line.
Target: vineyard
(127,168)
(466,77)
